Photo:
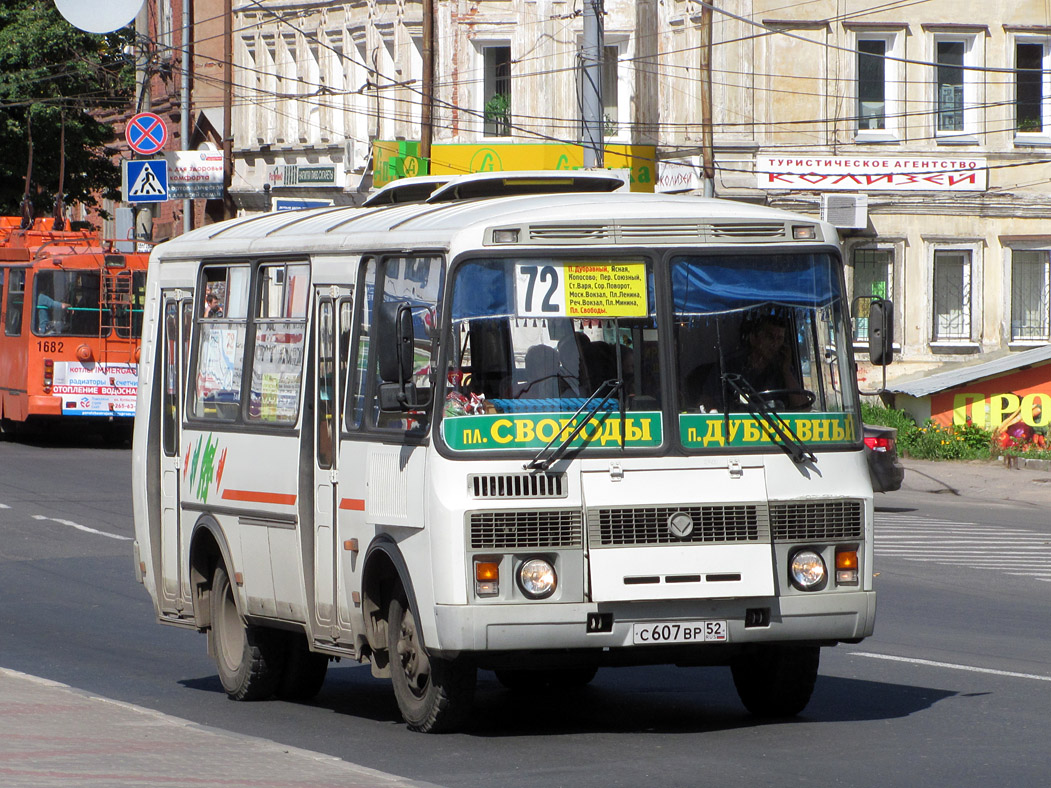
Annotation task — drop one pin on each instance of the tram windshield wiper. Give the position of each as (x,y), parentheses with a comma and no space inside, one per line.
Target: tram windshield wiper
(757,406)
(542,463)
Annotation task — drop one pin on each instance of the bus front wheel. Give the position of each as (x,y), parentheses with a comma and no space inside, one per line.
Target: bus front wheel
(249,658)
(434,695)
(776,681)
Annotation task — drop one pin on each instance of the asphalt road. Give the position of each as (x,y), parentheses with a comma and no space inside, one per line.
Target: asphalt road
(954,689)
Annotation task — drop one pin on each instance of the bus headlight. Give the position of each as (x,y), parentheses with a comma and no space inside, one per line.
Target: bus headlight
(537,578)
(807,571)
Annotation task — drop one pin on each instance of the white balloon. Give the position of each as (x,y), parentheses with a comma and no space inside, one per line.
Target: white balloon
(99,16)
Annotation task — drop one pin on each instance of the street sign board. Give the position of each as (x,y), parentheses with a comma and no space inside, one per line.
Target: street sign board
(145,180)
(195,174)
(146,133)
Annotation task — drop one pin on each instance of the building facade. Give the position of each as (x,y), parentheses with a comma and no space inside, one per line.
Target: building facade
(922,130)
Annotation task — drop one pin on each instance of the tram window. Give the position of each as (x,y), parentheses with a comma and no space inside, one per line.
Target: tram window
(15,297)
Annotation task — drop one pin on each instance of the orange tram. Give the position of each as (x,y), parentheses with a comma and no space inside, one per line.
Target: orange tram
(71,311)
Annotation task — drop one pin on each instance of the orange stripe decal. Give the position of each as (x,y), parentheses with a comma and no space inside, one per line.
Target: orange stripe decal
(255,496)
(354,504)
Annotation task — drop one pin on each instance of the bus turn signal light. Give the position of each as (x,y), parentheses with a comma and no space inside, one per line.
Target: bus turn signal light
(486,578)
(846,567)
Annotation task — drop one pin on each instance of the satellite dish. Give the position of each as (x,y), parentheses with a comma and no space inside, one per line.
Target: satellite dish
(99,16)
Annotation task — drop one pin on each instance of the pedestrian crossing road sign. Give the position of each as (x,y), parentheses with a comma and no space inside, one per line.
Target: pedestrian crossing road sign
(145,180)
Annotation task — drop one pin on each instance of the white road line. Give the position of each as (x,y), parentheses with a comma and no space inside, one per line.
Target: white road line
(80,527)
(4,506)
(952,666)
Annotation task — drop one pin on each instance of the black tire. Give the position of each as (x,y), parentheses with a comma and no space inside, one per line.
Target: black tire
(778,680)
(433,694)
(548,678)
(304,672)
(249,658)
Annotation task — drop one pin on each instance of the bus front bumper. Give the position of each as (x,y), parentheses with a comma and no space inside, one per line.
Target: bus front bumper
(810,618)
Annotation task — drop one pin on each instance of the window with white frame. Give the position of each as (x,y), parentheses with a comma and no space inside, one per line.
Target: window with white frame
(496,89)
(951,290)
(616,85)
(873,278)
(955,85)
(1032,82)
(878,83)
(1030,295)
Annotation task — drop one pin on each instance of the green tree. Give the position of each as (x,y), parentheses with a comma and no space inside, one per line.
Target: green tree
(55,77)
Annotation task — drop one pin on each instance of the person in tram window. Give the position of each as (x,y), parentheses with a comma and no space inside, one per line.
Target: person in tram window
(49,314)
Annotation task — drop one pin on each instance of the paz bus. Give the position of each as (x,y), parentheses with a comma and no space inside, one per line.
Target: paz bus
(71,311)
(506,433)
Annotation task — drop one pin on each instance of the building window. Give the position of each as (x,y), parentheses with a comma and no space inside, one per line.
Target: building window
(1031,87)
(872,84)
(615,99)
(873,278)
(1030,299)
(496,90)
(949,58)
(952,295)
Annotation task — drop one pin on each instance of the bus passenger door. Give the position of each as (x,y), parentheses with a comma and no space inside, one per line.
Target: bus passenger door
(175,338)
(333,331)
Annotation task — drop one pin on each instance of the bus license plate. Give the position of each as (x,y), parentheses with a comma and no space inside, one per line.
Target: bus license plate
(678,632)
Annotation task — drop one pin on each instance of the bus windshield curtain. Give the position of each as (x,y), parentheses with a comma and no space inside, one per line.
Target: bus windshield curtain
(708,285)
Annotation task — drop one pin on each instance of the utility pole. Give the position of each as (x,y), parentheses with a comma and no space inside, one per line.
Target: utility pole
(228,100)
(591,100)
(184,126)
(707,137)
(427,88)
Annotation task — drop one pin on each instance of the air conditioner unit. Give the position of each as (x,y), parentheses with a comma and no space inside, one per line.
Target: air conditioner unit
(846,211)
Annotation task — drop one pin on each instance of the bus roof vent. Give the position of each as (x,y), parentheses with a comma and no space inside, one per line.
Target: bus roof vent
(659,232)
(747,231)
(571,233)
(517,485)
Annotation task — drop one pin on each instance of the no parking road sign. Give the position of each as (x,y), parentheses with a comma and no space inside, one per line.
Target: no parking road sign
(146,180)
(146,133)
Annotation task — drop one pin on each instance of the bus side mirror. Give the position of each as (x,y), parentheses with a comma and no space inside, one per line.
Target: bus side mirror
(881,332)
(394,343)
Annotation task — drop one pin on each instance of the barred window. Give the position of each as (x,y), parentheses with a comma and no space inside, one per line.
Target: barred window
(873,276)
(952,295)
(1030,301)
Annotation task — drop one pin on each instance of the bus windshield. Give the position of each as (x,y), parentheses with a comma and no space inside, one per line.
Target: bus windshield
(534,338)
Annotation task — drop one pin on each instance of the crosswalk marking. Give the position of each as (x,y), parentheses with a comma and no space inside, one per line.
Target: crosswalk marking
(1016,552)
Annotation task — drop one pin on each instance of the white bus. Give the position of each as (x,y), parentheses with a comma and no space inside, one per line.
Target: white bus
(537,434)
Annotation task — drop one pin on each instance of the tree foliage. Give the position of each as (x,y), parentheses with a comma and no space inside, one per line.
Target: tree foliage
(52,74)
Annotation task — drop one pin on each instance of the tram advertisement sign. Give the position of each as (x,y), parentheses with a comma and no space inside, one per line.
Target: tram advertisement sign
(96,389)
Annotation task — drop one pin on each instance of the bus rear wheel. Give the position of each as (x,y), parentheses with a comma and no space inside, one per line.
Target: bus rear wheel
(776,681)
(434,695)
(249,658)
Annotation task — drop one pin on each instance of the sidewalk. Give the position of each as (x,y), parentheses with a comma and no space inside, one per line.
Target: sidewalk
(984,480)
(54,736)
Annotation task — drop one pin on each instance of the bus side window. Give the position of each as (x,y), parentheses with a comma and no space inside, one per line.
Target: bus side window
(358,380)
(15,297)
(219,363)
(417,281)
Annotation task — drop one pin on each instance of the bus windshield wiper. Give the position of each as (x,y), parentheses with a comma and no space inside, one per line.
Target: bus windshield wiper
(542,463)
(786,437)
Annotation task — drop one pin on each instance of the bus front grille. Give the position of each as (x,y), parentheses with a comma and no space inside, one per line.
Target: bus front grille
(517,485)
(650,525)
(816,521)
(512,530)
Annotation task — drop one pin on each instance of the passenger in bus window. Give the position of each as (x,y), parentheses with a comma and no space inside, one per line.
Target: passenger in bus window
(49,314)
(212,307)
